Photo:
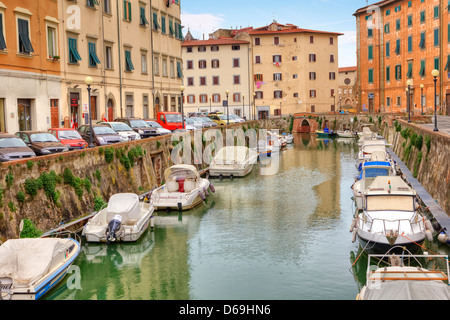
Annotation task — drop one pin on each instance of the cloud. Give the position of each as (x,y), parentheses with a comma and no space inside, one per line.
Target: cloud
(203,23)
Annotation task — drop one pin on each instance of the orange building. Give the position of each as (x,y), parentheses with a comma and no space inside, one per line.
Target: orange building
(399,43)
(29,65)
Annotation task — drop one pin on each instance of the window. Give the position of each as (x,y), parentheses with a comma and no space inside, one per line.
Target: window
(312,57)
(216,98)
(191,98)
(236,97)
(436,37)
(436,63)
(2,37)
(203,81)
(410,42)
(190,64)
(25,46)
(312,93)
(277,77)
(129,105)
(172,68)
(422,40)
(388,101)
(179,70)
(311,39)
(163,25)
(422,68)
(164,67)
(108,57)
(277,94)
(74,56)
(257,59)
(331,57)
(276,40)
(52,47)
(387,28)
(107,6)
(410,20)
(215,48)
(398,72)
(294,58)
(236,79)
(189,50)
(409,74)
(436,12)
(312,76)
(143,20)
(332,75)
(370,75)
(236,47)
(369,32)
(128,63)
(257,41)
(156,25)
(127,10)
(190,81)
(422,16)
(203,98)
(258,77)
(171,29)
(370,52)
(276,59)
(93,58)
(236,63)
(397,24)
(388,73)
(397,47)
(331,40)
(216,81)
(388,49)
(259,95)
(202,64)
(156,65)
(215,63)
(144,62)
(201,49)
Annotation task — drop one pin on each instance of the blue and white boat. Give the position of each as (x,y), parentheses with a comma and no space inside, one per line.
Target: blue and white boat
(29,268)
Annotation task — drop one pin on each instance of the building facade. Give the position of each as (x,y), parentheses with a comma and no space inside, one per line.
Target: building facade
(213,67)
(399,43)
(131,49)
(29,67)
(346,97)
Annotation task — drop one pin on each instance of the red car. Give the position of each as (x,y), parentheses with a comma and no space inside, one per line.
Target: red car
(170,120)
(69,137)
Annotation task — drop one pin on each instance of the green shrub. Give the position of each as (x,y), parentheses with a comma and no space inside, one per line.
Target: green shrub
(417,164)
(109,154)
(20,196)
(30,230)
(31,187)
(9,179)
(98,175)
(12,206)
(428,143)
(30,164)
(98,203)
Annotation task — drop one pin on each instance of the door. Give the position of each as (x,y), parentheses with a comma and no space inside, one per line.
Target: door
(54,112)
(110,110)
(371,105)
(74,109)
(24,114)
(94,108)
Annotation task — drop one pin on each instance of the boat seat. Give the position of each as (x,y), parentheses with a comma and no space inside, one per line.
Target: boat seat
(189,185)
(181,181)
(172,186)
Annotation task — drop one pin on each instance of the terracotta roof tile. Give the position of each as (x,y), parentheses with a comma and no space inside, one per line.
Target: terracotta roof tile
(213,42)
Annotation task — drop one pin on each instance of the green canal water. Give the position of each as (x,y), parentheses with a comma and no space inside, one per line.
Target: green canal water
(278,237)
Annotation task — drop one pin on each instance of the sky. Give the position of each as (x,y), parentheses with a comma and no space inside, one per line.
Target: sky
(202,17)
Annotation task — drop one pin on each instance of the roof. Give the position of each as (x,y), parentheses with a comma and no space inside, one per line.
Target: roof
(383,3)
(348,69)
(213,42)
(397,186)
(286,29)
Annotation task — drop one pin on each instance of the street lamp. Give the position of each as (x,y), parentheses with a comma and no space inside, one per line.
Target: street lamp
(228,113)
(421,97)
(408,91)
(435,74)
(243,106)
(89,81)
(182,105)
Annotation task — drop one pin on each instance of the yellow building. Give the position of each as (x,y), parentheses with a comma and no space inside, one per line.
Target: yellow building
(213,67)
(131,49)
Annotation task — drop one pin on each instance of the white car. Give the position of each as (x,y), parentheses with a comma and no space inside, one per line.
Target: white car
(124,130)
(159,128)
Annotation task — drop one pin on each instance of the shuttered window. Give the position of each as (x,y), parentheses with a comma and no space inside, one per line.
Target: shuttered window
(93,58)
(2,38)
(24,37)
(128,63)
(74,56)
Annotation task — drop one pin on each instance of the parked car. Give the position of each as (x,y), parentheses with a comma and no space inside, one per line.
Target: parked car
(221,119)
(236,118)
(194,123)
(13,148)
(139,126)
(101,135)
(42,143)
(124,130)
(211,123)
(159,128)
(170,120)
(69,137)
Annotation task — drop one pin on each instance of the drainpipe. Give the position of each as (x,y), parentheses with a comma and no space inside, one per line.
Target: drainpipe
(120,59)
(152,60)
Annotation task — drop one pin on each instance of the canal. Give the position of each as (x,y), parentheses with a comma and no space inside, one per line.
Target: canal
(264,237)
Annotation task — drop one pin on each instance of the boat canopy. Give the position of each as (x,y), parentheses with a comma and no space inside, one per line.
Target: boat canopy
(124,204)
(231,155)
(26,261)
(181,170)
(408,290)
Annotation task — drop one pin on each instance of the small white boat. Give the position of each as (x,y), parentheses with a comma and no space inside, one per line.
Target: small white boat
(184,189)
(124,220)
(264,149)
(373,147)
(406,277)
(289,138)
(29,268)
(346,134)
(390,218)
(233,162)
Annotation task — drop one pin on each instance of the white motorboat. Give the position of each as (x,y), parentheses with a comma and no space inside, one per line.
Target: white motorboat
(29,268)
(184,189)
(371,147)
(368,172)
(125,219)
(264,149)
(289,138)
(233,162)
(346,134)
(390,217)
(276,141)
(406,277)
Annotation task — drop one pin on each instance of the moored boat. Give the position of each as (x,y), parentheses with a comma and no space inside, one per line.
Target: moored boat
(29,268)
(233,161)
(346,134)
(125,219)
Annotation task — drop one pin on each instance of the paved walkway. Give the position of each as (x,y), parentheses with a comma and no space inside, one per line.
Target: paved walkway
(443,124)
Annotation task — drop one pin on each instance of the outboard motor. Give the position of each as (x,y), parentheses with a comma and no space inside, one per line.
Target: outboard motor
(113,228)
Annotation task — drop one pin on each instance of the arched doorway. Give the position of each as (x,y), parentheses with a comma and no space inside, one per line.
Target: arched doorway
(157,105)
(110,110)
(305,127)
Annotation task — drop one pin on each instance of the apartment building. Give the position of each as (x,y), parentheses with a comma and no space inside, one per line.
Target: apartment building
(30,90)
(211,69)
(400,43)
(131,49)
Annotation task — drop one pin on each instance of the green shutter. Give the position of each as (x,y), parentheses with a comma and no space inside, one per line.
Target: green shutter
(93,58)
(422,16)
(447,65)
(436,37)
(436,63)
(410,70)
(436,12)
(370,53)
(24,35)
(125,9)
(422,68)
(143,19)
(397,47)
(2,38)
(74,56)
(171,31)
(388,73)
(129,11)
(386,28)
(163,24)
(370,75)
(129,63)
(179,71)
(410,43)
(388,49)
(422,40)
(155,21)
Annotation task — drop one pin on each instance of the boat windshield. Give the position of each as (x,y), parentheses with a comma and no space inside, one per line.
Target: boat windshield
(390,203)
(376,172)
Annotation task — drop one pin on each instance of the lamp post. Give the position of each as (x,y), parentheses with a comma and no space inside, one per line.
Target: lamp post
(89,81)
(435,74)
(254,105)
(421,97)
(228,113)
(182,106)
(408,91)
(243,106)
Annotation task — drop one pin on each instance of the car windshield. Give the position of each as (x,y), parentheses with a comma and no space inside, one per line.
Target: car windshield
(120,126)
(190,120)
(11,143)
(138,123)
(171,118)
(104,130)
(43,137)
(154,124)
(69,135)
(223,117)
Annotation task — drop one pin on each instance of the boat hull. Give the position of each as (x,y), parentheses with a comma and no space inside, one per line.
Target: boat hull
(228,172)
(379,244)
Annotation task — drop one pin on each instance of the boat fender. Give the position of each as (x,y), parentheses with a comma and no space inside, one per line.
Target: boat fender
(202,195)
(212,188)
(180,206)
(152,222)
(429,226)
(443,238)
(354,235)
(353,225)
(429,235)
(205,191)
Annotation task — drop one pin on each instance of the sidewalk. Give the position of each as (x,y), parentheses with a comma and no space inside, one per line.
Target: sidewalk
(443,124)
